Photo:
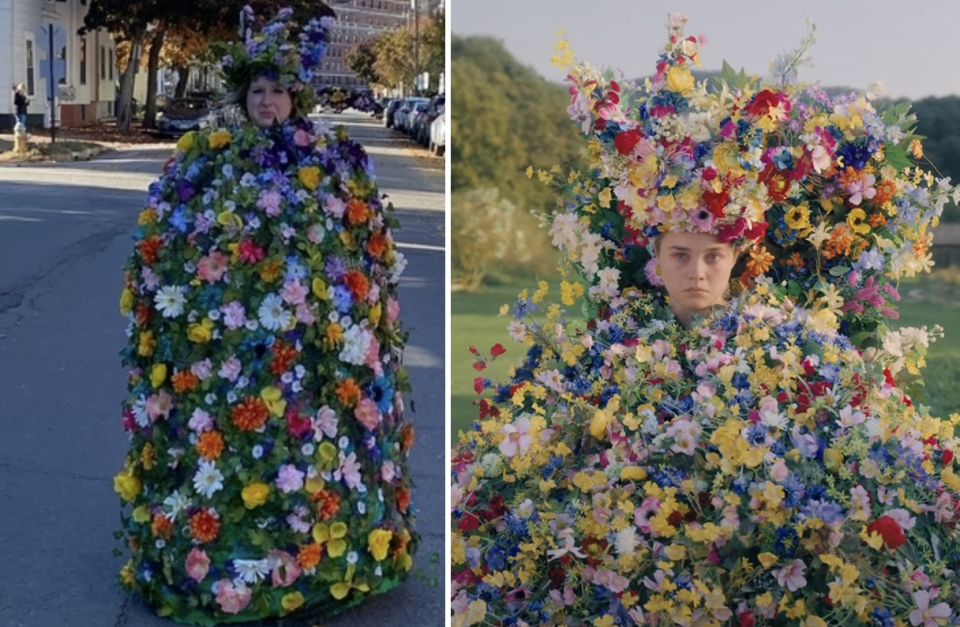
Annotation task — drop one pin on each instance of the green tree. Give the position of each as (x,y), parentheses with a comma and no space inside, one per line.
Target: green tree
(362,59)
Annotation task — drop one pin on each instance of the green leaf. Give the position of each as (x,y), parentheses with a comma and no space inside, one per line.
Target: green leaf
(896,156)
(839,270)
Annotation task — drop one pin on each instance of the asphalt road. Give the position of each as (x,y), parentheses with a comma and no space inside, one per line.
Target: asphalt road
(64,235)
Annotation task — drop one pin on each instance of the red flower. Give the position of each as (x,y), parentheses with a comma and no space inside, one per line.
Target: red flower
(478,385)
(626,140)
(890,530)
(730,232)
(497,350)
(747,619)
(488,409)
(716,201)
(756,231)
(947,457)
(764,101)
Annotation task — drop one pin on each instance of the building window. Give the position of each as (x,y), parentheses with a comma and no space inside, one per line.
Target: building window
(112,60)
(30,65)
(103,63)
(83,60)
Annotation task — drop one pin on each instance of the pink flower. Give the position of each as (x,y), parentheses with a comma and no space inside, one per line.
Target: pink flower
(393,310)
(349,470)
(862,188)
(289,479)
(200,421)
(234,315)
(302,138)
(269,201)
(198,564)
(367,413)
(926,615)
(611,581)
(203,369)
(641,515)
(334,206)
(305,314)
(388,471)
(285,570)
(324,424)
(212,267)
(250,252)
(233,597)
(293,292)
(159,405)
(231,369)
(517,439)
(791,575)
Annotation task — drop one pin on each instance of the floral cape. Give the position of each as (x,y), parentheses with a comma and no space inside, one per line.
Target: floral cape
(267,469)
(756,469)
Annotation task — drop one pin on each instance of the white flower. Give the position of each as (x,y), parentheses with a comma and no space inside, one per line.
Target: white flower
(352,557)
(208,479)
(252,571)
(356,345)
(399,265)
(170,300)
(272,315)
(626,542)
(177,503)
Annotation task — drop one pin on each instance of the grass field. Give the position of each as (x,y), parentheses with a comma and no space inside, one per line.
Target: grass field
(934,299)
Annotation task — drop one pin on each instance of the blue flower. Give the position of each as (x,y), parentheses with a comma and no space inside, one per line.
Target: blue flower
(881,617)
(342,299)
(785,544)
(381,391)
(496,558)
(827,511)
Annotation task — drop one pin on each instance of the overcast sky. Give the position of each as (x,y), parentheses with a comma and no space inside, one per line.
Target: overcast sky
(913,46)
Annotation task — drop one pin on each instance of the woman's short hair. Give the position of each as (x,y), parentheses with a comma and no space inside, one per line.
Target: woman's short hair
(21,87)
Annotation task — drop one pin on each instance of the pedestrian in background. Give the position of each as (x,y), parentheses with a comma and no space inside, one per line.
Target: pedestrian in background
(20,103)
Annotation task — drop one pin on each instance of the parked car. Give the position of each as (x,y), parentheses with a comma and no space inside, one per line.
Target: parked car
(421,131)
(390,111)
(438,133)
(419,108)
(184,114)
(406,108)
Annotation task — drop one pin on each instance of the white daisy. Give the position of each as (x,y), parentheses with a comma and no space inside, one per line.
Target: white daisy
(170,300)
(177,503)
(208,479)
(272,315)
(252,571)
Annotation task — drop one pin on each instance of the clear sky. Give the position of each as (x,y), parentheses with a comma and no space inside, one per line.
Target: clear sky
(911,46)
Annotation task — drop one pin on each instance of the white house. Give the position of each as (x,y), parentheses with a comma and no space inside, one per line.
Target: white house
(84,68)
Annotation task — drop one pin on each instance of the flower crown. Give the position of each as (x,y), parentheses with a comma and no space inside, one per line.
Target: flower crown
(274,52)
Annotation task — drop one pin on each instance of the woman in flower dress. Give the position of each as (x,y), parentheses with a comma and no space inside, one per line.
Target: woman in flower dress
(685,457)
(267,470)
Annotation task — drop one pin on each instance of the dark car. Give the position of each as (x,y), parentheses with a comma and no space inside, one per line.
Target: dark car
(391,111)
(421,130)
(184,114)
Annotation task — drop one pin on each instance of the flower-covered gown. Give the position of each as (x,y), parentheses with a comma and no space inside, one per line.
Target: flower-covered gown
(267,469)
(757,469)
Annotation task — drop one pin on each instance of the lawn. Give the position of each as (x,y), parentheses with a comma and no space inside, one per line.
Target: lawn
(934,299)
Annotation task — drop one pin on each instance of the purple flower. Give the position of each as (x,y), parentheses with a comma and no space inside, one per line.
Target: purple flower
(185,190)
(829,512)
(335,268)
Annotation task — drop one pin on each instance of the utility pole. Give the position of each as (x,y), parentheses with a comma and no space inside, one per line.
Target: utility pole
(416,46)
(51,93)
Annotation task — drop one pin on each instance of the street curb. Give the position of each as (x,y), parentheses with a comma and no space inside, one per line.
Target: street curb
(77,155)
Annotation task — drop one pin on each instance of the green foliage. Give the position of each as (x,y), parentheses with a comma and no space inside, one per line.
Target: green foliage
(361,60)
(937,121)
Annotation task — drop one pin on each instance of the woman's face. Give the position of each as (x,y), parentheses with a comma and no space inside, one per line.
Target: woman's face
(696,270)
(268,102)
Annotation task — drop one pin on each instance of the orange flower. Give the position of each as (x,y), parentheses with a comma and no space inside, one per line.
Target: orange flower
(283,355)
(328,504)
(921,246)
(376,245)
(250,414)
(795,261)
(358,284)
(406,437)
(357,212)
(403,500)
(161,526)
(885,191)
(143,315)
(759,261)
(309,556)
(348,392)
(204,526)
(149,248)
(270,271)
(184,381)
(210,444)
(877,219)
(917,149)
(839,244)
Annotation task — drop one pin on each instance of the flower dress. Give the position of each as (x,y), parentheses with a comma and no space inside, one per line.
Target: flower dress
(267,469)
(755,469)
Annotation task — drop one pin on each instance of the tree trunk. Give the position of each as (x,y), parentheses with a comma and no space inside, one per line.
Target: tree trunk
(150,113)
(183,77)
(125,102)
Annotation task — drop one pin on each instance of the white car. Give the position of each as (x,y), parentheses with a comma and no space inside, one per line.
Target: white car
(438,134)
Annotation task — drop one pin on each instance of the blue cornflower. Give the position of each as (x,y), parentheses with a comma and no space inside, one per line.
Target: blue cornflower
(744,399)
(554,462)
(503,394)
(295,269)
(757,434)
(785,544)
(668,477)
(794,490)
(729,322)
(179,219)
(741,485)
(516,524)
(523,307)
(740,380)
(496,557)
(816,492)
(827,511)
(342,299)
(881,617)
(608,392)
(534,353)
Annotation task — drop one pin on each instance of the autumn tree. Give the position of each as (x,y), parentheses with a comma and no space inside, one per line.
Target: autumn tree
(361,59)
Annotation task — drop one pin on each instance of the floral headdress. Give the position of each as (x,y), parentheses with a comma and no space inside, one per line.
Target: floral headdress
(274,52)
(822,187)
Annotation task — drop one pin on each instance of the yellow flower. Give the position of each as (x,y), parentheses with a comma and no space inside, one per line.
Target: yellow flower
(147,344)
(333,536)
(676,552)
(126,484)
(598,424)
(679,80)
(529,172)
(309,176)
(605,197)
(832,459)
(219,139)
(274,400)
(917,149)
(228,218)
(126,301)
(633,473)
(798,219)
(605,621)
(201,333)
(185,142)
(378,543)
(570,292)
(255,495)
(767,559)
(856,220)
(291,601)
(158,374)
